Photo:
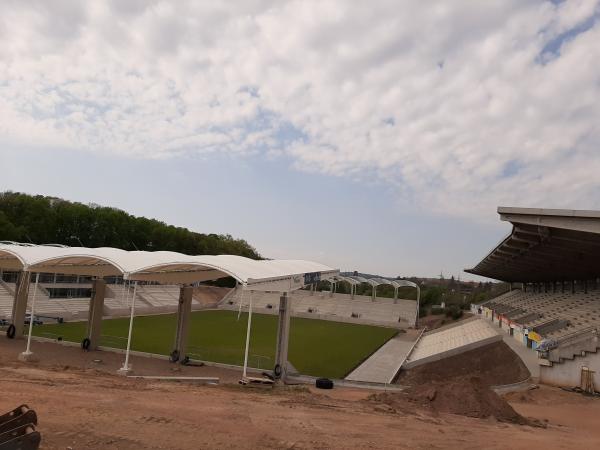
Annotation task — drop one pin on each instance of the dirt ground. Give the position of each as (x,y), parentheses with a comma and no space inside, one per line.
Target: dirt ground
(83,405)
(495,364)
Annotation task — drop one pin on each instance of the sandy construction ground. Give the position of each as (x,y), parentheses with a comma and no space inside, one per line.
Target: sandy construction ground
(82,405)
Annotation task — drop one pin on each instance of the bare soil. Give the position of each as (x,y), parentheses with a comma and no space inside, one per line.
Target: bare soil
(461,384)
(494,364)
(469,398)
(83,405)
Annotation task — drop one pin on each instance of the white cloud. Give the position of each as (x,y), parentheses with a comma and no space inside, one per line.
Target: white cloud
(451,103)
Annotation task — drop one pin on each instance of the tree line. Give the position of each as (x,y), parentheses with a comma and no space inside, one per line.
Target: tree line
(48,220)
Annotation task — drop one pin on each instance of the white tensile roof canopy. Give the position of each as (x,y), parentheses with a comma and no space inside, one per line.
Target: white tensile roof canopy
(164,267)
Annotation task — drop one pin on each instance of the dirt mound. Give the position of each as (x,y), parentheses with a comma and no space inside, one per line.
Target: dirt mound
(493,364)
(470,398)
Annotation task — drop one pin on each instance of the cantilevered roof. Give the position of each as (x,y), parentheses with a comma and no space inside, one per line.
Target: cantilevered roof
(164,267)
(355,279)
(545,245)
(339,278)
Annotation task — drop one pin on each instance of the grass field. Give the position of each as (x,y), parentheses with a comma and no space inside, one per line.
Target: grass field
(317,347)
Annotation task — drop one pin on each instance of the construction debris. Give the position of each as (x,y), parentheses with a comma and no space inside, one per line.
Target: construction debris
(17,429)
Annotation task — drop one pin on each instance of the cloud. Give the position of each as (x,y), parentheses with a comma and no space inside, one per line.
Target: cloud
(457,106)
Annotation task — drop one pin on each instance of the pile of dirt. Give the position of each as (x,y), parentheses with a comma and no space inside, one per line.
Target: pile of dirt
(494,364)
(470,398)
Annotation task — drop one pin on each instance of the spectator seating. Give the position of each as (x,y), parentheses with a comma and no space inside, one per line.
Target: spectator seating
(550,314)
(337,307)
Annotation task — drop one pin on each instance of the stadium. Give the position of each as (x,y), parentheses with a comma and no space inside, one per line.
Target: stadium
(288,322)
(299,224)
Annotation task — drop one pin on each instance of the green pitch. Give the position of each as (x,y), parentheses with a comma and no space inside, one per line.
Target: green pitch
(317,347)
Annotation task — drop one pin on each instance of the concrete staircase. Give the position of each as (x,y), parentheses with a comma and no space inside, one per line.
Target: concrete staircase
(577,344)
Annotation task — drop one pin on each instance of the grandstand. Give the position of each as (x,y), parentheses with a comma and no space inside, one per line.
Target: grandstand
(551,260)
(150,299)
(67,296)
(451,340)
(327,305)
(157,299)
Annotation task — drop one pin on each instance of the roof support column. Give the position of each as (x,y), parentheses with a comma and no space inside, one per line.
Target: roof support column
(126,369)
(283,337)
(20,303)
(28,355)
(96,311)
(184,311)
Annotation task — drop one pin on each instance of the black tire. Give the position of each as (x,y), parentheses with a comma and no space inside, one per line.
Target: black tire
(11,331)
(324,383)
(85,344)
(277,371)
(185,361)
(174,357)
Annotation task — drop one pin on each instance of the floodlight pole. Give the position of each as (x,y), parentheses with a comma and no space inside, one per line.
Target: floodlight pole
(26,355)
(248,336)
(126,368)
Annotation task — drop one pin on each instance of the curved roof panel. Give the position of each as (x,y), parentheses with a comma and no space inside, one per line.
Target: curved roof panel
(164,267)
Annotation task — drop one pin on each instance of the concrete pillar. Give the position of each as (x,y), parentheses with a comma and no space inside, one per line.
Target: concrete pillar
(283,337)
(20,303)
(96,311)
(184,310)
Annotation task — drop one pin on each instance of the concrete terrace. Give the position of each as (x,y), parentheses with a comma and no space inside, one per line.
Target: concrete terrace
(456,339)
(383,365)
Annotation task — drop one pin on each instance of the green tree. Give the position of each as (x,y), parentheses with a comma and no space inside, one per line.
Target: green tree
(44,220)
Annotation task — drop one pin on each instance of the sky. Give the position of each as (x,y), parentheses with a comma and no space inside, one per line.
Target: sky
(375,136)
